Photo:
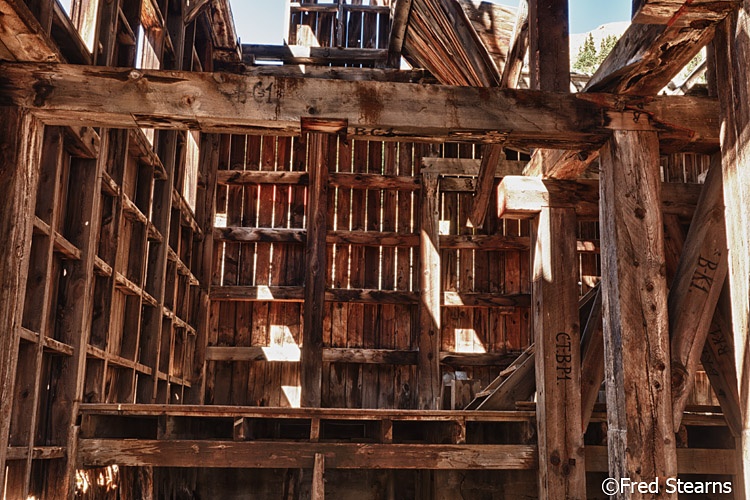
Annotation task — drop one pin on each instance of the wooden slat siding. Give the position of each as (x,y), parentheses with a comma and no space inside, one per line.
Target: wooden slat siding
(355,325)
(403,329)
(428,370)
(386,389)
(592,359)
(695,290)
(248,454)
(558,376)
(559,120)
(250,211)
(73,329)
(465,316)
(223,371)
(730,49)
(19,176)
(354,27)
(640,435)
(371,319)
(319,161)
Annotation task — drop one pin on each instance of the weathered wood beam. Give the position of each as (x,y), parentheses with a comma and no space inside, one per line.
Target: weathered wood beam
(299,54)
(381,110)
(398,31)
(318,491)
(549,49)
(492,156)
(519,44)
(21,144)
(192,9)
(731,46)
(640,434)
(23,36)
(311,371)
(592,359)
(250,454)
(340,73)
(429,376)
(554,295)
(696,287)
(682,12)
(469,167)
(523,197)
(354,355)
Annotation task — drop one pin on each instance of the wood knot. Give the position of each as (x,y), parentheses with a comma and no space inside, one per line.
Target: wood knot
(640,212)
(554,459)
(649,286)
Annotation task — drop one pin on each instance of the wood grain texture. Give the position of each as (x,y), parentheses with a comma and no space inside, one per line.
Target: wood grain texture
(696,287)
(557,340)
(636,336)
(731,46)
(380,110)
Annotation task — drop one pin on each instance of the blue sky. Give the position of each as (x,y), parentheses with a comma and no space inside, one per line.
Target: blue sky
(262,21)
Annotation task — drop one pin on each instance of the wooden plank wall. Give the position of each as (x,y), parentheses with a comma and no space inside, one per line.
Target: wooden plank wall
(351,324)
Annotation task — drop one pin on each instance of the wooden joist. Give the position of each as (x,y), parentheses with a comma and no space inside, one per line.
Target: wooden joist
(380,110)
(682,12)
(416,75)
(523,197)
(519,45)
(398,32)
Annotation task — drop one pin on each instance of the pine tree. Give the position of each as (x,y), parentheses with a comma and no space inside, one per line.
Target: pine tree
(586,60)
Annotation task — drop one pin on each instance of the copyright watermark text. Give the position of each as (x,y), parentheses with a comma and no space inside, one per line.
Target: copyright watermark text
(613,486)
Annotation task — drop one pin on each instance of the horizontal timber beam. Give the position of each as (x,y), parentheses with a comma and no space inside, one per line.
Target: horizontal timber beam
(368,296)
(227,103)
(298,54)
(290,354)
(524,197)
(249,454)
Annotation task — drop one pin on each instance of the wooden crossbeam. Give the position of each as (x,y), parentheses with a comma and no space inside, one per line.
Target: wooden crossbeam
(523,197)
(682,12)
(696,287)
(379,110)
(299,54)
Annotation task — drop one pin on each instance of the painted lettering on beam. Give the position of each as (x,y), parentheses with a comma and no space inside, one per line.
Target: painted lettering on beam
(563,356)
(703,277)
(374,132)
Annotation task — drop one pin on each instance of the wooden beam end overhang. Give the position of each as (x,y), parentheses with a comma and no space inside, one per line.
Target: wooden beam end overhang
(521,197)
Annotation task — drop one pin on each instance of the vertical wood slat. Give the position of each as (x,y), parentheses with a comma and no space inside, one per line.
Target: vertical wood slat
(429,377)
(562,472)
(75,324)
(636,337)
(19,175)
(315,259)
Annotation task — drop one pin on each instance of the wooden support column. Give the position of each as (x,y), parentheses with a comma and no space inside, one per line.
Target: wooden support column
(695,291)
(562,472)
(731,45)
(322,135)
(557,338)
(492,156)
(640,438)
(318,491)
(20,155)
(549,52)
(428,369)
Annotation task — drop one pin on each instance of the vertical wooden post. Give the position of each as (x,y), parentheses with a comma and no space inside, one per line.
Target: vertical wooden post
(731,46)
(429,378)
(634,300)
(318,491)
(20,154)
(562,472)
(321,135)
(549,53)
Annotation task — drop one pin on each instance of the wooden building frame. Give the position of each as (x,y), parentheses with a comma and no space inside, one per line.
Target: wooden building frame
(333,276)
